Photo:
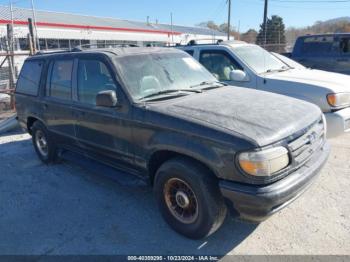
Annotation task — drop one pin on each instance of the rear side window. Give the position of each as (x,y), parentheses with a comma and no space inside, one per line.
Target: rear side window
(60,84)
(317,45)
(29,79)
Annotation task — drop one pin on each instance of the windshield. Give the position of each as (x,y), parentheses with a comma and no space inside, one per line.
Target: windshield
(161,73)
(291,63)
(258,59)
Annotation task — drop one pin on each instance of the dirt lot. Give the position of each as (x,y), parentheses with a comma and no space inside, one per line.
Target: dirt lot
(68,208)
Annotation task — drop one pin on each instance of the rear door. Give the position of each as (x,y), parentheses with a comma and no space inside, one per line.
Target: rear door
(103,132)
(57,101)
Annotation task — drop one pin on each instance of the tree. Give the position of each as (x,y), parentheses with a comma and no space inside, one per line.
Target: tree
(249,36)
(275,35)
(209,24)
(221,28)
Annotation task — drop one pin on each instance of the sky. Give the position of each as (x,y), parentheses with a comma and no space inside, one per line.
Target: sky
(246,14)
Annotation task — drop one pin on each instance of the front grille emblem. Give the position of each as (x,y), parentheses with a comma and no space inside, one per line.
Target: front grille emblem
(312,137)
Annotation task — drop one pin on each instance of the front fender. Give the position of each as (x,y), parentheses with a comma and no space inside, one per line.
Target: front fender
(202,150)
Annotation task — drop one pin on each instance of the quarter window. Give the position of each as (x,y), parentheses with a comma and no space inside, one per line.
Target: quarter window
(28,82)
(219,64)
(190,52)
(61,79)
(93,77)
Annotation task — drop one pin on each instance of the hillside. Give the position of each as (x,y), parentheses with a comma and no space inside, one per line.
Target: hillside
(336,25)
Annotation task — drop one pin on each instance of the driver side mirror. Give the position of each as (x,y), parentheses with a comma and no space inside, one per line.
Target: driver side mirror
(107,98)
(239,76)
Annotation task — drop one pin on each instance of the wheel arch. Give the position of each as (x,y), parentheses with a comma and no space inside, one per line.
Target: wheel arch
(161,156)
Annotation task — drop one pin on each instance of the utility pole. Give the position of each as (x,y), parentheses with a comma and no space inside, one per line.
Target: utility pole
(229,20)
(36,30)
(11,46)
(172,32)
(239,29)
(265,22)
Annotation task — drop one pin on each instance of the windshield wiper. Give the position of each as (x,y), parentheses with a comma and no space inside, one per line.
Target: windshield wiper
(164,92)
(282,69)
(211,84)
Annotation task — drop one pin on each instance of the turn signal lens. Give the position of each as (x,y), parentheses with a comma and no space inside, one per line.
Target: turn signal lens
(339,99)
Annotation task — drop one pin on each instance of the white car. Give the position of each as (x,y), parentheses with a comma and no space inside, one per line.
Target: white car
(247,65)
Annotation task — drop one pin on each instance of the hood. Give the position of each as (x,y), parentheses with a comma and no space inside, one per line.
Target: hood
(334,82)
(262,117)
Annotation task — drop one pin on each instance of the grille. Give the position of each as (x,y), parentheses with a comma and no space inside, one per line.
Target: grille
(303,147)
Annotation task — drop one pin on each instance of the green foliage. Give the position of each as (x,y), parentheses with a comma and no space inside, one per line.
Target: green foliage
(275,34)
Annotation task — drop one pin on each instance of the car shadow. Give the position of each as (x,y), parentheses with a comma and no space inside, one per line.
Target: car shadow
(81,207)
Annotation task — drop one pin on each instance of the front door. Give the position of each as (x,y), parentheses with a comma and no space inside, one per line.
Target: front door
(57,103)
(101,131)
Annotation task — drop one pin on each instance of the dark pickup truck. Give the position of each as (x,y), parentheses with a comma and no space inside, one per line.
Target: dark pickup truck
(329,52)
(158,114)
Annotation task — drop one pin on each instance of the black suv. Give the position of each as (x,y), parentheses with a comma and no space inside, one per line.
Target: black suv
(158,114)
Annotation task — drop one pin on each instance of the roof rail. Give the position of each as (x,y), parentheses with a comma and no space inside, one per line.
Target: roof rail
(54,51)
(80,48)
(86,46)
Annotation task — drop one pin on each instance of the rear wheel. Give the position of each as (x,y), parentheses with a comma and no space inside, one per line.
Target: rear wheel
(189,198)
(43,143)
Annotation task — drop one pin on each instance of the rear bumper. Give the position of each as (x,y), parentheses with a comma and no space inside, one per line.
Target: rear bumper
(256,203)
(338,122)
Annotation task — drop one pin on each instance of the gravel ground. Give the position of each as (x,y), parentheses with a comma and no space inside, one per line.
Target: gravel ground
(69,209)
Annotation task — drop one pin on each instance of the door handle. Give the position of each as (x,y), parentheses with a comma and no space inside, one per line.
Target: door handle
(342,60)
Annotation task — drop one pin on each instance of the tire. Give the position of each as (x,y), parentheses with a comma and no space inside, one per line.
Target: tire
(172,180)
(40,135)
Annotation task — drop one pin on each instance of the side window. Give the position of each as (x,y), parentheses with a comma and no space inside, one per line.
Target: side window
(29,78)
(219,63)
(93,77)
(60,85)
(190,52)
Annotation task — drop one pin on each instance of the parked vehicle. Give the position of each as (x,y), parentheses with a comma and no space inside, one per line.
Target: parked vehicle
(247,65)
(158,114)
(329,52)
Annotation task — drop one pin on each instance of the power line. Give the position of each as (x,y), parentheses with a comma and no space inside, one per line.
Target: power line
(310,1)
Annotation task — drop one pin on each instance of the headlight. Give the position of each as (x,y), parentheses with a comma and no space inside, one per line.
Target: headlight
(340,99)
(265,162)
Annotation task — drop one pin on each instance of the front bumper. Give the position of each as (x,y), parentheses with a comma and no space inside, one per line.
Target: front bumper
(338,122)
(256,203)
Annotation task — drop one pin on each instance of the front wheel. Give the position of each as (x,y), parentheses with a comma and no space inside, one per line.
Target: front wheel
(189,198)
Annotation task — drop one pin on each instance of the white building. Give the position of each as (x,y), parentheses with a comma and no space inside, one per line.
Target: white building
(62,30)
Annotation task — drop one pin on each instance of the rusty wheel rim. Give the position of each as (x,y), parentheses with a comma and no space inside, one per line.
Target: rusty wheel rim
(181,200)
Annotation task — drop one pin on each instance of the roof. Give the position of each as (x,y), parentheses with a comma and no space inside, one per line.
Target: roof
(326,34)
(58,19)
